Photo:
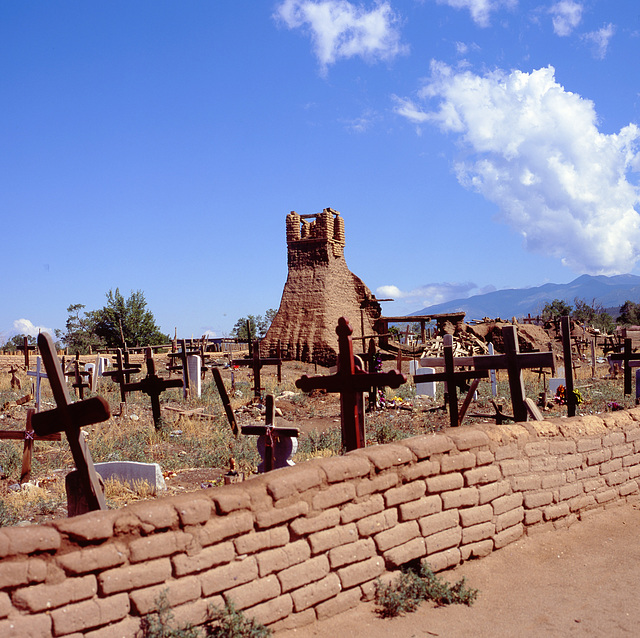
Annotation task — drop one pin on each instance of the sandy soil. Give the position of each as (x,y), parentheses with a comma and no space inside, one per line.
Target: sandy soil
(578,581)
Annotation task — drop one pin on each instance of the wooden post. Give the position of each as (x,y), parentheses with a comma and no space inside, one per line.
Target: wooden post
(568,367)
(226,403)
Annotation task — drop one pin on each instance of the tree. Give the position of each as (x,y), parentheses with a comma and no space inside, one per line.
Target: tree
(127,322)
(80,335)
(593,315)
(629,314)
(258,325)
(555,309)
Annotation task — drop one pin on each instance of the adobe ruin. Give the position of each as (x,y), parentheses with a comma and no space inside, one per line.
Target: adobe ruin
(319,290)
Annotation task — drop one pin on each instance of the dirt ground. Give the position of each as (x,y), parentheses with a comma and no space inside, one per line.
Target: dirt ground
(578,581)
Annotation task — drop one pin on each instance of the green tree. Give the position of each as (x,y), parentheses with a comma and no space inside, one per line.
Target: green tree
(593,315)
(555,309)
(258,325)
(127,321)
(80,331)
(629,314)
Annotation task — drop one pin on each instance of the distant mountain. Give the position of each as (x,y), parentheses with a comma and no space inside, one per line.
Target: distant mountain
(610,292)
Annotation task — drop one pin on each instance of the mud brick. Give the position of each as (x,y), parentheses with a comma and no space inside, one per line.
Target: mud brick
(228,576)
(257,541)
(230,498)
(369,588)
(628,488)
(295,621)
(329,538)
(569,491)
(278,515)
(543,463)
(457,462)
(443,540)
(594,484)
(476,515)
(509,519)
(94,526)
(271,610)
(616,478)
(134,576)
(334,495)
(154,515)
(377,523)
(30,539)
(409,492)
(420,470)
(397,535)
(587,472)
(506,503)
(341,603)
(484,457)
(361,572)
(397,556)
(377,484)
(621,450)
(283,484)
(253,593)
(465,497)
(311,524)
(37,626)
(42,597)
(509,451)
(526,483)
(220,528)
(356,511)
(5,604)
(476,550)
(445,482)
(632,435)
(567,446)
(556,479)
(178,592)
(508,536)
(343,468)
(351,553)
(467,439)
(304,573)
(588,445)
(613,438)
(483,475)
(195,612)
(536,448)
(206,558)
(422,507)
(16,573)
(492,491)
(92,559)
(477,533)
(537,499)
(315,593)
(429,444)
(569,462)
(158,545)
(127,628)
(556,511)
(511,467)
(89,614)
(631,459)
(283,557)
(634,471)
(384,457)
(582,502)
(443,560)
(439,522)
(598,456)
(611,466)
(194,511)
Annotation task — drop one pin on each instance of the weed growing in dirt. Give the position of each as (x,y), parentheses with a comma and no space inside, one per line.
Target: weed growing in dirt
(159,624)
(315,443)
(416,584)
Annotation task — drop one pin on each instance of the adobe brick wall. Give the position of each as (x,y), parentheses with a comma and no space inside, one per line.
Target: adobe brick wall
(310,541)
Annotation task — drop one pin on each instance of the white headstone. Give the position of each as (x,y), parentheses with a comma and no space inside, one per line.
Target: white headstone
(91,367)
(194,363)
(426,388)
(131,472)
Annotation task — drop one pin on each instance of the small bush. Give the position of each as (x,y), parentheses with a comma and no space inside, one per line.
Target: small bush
(228,622)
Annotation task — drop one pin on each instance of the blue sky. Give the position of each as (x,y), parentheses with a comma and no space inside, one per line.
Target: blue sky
(158,146)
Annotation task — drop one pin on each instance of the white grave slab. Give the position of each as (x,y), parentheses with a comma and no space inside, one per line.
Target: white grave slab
(426,388)
(131,472)
(194,364)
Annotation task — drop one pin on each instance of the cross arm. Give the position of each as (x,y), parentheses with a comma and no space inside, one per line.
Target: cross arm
(266,429)
(82,413)
(358,382)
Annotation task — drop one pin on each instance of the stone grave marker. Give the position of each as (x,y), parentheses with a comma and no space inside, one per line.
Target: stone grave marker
(194,363)
(425,388)
(132,472)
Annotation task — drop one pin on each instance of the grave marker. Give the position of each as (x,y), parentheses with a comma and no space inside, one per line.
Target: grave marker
(194,363)
(256,364)
(629,360)
(39,375)
(25,347)
(224,397)
(122,373)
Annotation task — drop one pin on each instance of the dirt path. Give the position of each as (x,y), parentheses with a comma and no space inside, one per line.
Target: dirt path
(580,581)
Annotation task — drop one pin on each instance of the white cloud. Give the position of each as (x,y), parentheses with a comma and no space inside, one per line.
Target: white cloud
(429,294)
(480,10)
(25,327)
(566,16)
(340,29)
(534,149)
(600,40)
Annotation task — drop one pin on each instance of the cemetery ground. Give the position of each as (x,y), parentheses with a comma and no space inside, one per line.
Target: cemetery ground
(195,446)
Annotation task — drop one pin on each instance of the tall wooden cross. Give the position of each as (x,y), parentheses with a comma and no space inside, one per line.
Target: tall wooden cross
(256,363)
(630,360)
(122,373)
(78,378)
(39,375)
(570,397)
(350,381)
(184,365)
(153,386)
(226,402)
(70,417)
(26,347)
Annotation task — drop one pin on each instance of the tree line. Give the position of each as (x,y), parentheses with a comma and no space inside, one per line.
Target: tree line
(593,314)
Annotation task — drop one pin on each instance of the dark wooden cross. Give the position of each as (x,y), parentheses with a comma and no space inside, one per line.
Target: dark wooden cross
(70,417)
(226,403)
(453,379)
(26,347)
(274,443)
(78,378)
(570,397)
(153,386)
(28,436)
(350,381)
(256,364)
(122,373)
(184,365)
(629,359)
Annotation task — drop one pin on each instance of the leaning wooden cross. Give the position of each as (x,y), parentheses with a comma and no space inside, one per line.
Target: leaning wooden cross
(153,386)
(256,363)
(630,360)
(350,381)
(70,417)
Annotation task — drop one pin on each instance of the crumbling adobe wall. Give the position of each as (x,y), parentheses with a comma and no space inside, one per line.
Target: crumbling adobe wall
(310,541)
(319,290)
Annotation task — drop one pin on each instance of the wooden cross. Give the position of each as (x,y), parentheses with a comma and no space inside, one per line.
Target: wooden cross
(184,365)
(28,436)
(568,367)
(26,347)
(274,443)
(122,373)
(350,382)
(630,360)
(226,403)
(256,364)
(453,379)
(78,381)
(70,417)
(153,386)
(39,375)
